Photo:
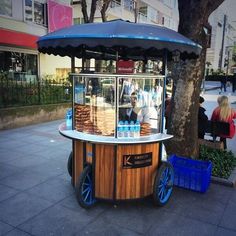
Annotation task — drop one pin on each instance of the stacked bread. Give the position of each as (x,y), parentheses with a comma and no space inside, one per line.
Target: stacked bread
(145,129)
(94,120)
(105,121)
(82,118)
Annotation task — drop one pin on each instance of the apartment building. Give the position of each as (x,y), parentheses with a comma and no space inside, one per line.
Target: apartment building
(222,20)
(160,12)
(23,21)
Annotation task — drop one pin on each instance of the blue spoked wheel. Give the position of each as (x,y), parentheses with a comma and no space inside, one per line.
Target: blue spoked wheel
(163,184)
(84,188)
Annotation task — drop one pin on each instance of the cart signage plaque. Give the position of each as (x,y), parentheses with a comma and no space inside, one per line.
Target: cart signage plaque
(137,160)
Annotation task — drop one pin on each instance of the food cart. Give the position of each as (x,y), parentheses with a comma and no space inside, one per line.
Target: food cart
(116,157)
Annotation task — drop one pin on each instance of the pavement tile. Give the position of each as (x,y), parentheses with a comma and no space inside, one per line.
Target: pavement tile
(23,180)
(229,217)
(52,192)
(28,161)
(101,227)
(6,192)
(58,220)
(4,228)
(17,232)
(197,206)
(9,143)
(131,215)
(170,224)
(21,207)
(50,168)
(7,170)
(7,155)
(72,204)
(224,232)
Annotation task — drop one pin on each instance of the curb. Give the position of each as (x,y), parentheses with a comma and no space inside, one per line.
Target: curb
(212,88)
(230,182)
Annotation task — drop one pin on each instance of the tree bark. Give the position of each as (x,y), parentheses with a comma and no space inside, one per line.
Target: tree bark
(188,77)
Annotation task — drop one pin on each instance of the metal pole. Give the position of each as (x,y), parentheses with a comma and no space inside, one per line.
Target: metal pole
(116,101)
(72,64)
(222,44)
(164,72)
(227,68)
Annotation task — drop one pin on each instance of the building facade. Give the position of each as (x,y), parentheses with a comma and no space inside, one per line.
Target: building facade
(22,22)
(219,55)
(160,12)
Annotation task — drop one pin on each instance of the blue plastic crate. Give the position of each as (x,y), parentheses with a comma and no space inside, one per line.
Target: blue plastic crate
(191,174)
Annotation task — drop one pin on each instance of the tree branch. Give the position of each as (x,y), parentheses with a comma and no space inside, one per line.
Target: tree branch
(105,6)
(84,10)
(93,10)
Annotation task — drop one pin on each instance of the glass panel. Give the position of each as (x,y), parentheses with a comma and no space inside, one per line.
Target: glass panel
(28,10)
(140,101)
(39,13)
(94,105)
(6,7)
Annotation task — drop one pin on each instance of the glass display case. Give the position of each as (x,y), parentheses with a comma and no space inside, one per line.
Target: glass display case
(120,106)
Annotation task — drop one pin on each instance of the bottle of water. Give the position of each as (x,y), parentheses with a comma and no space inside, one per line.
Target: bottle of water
(126,129)
(120,130)
(69,118)
(132,130)
(137,129)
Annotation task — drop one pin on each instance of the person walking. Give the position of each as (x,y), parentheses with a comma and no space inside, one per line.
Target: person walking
(225,113)
(223,82)
(202,119)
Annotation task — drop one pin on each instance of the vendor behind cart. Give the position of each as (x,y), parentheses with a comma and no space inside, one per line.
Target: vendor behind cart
(136,111)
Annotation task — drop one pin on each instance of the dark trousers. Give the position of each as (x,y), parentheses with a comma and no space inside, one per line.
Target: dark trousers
(224,142)
(223,86)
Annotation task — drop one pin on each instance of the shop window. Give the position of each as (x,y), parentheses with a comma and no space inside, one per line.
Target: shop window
(129,5)
(6,7)
(35,11)
(19,65)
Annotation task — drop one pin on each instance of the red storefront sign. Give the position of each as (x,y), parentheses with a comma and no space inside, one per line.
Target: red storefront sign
(125,67)
(13,38)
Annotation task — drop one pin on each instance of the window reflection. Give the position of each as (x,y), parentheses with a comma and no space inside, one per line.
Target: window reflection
(94,105)
(140,102)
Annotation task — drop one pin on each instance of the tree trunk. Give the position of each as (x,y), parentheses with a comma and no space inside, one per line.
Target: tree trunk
(188,77)
(184,108)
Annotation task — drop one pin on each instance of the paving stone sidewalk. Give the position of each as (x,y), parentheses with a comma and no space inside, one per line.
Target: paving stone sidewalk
(36,196)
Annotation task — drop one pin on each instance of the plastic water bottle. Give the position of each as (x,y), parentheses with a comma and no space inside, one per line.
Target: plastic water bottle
(126,129)
(132,130)
(137,129)
(120,131)
(69,118)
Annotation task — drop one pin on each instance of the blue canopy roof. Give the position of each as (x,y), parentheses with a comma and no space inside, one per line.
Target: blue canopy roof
(103,40)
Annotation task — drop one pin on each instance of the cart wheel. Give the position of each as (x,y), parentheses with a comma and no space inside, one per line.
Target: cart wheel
(84,188)
(69,164)
(163,184)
